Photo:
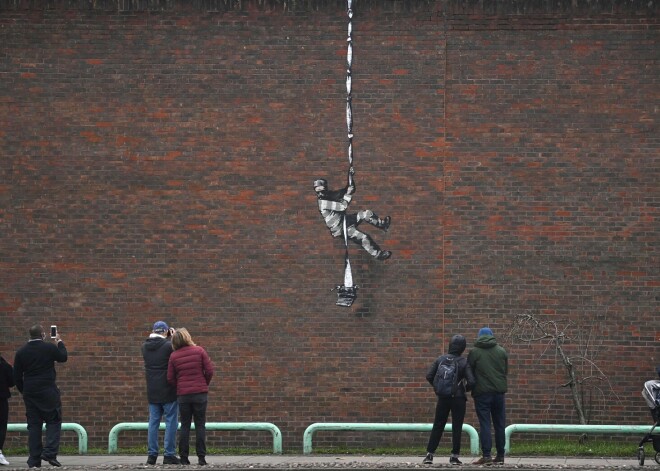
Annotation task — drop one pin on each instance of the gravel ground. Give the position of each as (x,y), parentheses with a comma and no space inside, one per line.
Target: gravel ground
(325,463)
(353,465)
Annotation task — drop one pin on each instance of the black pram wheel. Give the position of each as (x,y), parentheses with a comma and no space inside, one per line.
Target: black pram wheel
(640,455)
(657,457)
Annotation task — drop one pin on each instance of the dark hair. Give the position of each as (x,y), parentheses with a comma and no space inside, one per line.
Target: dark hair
(36,331)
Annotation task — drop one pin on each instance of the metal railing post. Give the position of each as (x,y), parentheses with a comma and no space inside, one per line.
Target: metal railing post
(79,429)
(113,437)
(382,427)
(568,428)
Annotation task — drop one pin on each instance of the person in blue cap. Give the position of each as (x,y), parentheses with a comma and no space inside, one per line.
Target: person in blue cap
(490,365)
(156,351)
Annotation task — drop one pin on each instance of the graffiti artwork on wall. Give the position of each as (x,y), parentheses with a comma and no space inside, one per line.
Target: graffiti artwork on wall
(333,204)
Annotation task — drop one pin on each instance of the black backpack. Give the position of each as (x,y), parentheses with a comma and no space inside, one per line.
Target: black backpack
(444,382)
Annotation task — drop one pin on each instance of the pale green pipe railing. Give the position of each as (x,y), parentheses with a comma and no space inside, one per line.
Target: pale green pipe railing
(113,437)
(79,429)
(385,427)
(568,428)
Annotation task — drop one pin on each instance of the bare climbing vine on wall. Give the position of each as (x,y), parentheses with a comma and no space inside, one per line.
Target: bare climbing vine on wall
(576,348)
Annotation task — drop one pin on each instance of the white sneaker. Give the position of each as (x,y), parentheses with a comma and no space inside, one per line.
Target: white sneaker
(3,460)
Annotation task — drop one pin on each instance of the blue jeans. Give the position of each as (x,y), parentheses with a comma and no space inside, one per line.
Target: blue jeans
(491,405)
(170,412)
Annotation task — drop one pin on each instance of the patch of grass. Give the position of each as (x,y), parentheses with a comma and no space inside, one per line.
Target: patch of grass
(139,451)
(550,447)
(558,447)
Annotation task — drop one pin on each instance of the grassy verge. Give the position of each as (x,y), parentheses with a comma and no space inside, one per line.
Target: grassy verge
(139,451)
(550,447)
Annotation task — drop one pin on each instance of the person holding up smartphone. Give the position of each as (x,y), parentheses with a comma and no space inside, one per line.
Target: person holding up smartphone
(156,351)
(34,375)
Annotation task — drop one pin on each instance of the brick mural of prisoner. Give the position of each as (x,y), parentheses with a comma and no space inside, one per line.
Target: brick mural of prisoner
(333,205)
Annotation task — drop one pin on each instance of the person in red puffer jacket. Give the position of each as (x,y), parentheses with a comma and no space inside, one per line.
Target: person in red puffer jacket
(190,370)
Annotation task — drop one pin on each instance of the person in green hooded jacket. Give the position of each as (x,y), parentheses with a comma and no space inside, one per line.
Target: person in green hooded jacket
(490,364)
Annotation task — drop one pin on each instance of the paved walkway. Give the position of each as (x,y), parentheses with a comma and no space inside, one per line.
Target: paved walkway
(318,462)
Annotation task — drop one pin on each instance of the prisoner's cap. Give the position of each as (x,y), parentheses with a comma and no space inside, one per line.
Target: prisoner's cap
(160,326)
(320,182)
(485,331)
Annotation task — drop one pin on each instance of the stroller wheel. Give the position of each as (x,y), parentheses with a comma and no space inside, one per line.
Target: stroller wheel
(640,455)
(657,457)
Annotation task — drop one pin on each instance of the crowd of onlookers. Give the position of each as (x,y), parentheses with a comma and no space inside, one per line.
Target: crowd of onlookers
(178,374)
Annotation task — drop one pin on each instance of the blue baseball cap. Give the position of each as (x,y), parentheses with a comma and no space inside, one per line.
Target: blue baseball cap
(160,326)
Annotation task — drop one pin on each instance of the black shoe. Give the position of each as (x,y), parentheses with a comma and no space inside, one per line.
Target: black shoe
(151,459)
(498,460)
(386,223)
(52,461)
(184,460)
(428,459)
(384,255)
(171,460)
(201,461)
(454,460)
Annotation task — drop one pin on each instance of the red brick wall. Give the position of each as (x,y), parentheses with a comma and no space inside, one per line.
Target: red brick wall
(157,162)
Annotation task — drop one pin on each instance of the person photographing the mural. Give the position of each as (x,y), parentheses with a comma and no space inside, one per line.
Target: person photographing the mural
(156,351)
(333,205)
(34,375)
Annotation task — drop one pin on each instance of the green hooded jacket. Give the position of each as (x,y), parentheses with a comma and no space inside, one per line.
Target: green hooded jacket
(490,365)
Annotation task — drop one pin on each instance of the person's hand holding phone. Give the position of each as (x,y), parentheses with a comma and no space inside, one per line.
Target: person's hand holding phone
(55,334)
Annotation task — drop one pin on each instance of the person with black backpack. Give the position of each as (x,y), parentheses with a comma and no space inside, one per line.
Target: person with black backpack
(451,376)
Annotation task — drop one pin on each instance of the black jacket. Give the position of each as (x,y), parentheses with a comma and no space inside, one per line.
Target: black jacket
(156,352)
(465,378)
(6,379)
(34,367)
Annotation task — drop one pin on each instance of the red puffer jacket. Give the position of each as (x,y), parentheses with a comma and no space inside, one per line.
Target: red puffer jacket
(190,370)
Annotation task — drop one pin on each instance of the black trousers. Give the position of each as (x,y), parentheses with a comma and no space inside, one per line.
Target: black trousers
(187,412)
(37,415)
(4,418)
(455,405)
